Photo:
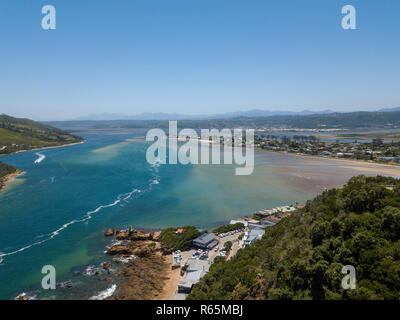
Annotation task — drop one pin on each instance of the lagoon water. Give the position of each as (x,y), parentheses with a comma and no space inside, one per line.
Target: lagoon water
(56,213)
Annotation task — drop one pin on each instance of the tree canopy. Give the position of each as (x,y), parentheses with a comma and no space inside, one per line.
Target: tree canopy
(302,256)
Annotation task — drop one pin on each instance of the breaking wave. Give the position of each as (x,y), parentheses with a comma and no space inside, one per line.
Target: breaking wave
(105,294)
(120,198)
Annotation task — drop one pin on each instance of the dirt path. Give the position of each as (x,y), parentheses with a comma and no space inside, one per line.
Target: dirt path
(171,284)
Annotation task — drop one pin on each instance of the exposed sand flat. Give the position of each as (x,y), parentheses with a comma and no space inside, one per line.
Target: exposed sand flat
(359,165)
(111,147)
(382,170)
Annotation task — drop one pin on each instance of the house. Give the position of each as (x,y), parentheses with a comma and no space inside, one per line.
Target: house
(206,241)
(266,223)
(272,219)
(252,235)
(255,226)
(195,270)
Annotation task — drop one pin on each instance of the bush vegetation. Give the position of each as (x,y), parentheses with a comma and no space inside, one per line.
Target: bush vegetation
(5,170)
(302,256)
(183,241)
(228,227)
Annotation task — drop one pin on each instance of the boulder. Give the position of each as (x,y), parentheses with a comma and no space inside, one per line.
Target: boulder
(109,232)
(106,265)
(122,235)
(141,236)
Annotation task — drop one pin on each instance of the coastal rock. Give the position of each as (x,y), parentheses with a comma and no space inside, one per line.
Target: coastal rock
(142,252)
(119,249)
(141,236)
(133,235)
(121,235)
(66,284)
(109,232)
(24,296)
(106,265)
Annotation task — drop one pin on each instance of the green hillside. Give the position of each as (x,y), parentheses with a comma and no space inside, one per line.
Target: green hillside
(302,256)
(24,134)
(5,170)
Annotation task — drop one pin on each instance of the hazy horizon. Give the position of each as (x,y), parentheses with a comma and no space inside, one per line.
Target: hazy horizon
(195,116)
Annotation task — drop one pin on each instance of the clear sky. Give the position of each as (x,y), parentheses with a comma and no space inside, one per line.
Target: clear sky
(197,56)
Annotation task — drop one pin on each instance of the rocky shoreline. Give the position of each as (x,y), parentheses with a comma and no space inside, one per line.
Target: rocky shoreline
(142,261)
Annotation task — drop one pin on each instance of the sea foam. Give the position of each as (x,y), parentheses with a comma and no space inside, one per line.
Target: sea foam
(122,197)
(105,294)
(40,158)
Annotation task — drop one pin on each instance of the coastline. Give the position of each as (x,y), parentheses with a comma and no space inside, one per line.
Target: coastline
(43,148)
(349,161)
(6,180)
(11,177)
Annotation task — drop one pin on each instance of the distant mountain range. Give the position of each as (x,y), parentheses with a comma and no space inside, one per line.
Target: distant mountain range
(349,120)
(389,109)
(230,115)
(178,116)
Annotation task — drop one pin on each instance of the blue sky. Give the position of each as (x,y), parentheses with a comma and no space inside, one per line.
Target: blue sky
(197,57)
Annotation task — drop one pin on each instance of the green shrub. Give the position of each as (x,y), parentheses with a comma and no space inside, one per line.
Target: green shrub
(171,240)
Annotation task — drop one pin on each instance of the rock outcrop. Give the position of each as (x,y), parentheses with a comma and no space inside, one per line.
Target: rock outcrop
(109,232)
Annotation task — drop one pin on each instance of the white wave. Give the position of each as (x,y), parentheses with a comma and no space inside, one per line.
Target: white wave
(41,157)
(105,294)
(24,296)
(88,216)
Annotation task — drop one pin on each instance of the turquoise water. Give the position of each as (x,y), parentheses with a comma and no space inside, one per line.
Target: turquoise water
(56,213)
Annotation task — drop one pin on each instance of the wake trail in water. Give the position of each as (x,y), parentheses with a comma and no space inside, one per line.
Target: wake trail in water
(120,198)
(41,157)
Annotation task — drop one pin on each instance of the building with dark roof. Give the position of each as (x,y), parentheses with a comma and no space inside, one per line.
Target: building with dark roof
(206,241)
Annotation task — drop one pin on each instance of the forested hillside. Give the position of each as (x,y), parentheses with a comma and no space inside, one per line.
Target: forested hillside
(5,170)
(24,134)
(350,120)
(302,256)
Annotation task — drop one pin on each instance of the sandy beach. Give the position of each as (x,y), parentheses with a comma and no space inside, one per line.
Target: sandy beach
(9,178)
(352,163)
(43,148)
(53,147)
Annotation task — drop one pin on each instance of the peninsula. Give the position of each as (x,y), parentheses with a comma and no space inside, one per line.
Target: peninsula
(18,135)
